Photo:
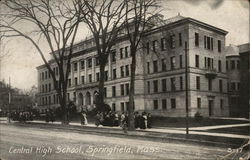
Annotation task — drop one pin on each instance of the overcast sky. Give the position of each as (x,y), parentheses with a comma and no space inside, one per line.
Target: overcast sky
(230,15)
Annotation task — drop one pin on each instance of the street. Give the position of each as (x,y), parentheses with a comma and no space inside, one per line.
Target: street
(23,142)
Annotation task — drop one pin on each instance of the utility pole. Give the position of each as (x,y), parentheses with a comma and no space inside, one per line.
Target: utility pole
(9,101)
(186,83)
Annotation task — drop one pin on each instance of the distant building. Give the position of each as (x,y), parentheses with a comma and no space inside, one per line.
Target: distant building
(238,67)
(19,101)
(244,106)
(233,73)
(160,72)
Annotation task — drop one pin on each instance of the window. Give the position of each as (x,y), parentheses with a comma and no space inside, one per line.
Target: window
(113,107)
(105,92)
(196,39)
(208,43)
(164,85)
(164,104)
(205,41)
(147,45)
(181,83)
(113,91)
(114,73)
(97,61)
(219,45)
(197,61)
(122,89)
(238,64)
(221,85)
(163,44)
(198,83)
(210,85)
(212,43)
(82,64)
(180,39)
(219,65)
(46,74)
(127,89)
(155,83)
(221,104)
(42,76)
(233,86)
(113,58)
(122,106)
(69,82)
(122,71)
(154,45)
(49,87)
(173,103)
(180,59)
(89,62)
(148,67)
(106,76)
(75,81)
(75,66)
(238,85)
(97,76)
(148,86)
(227,65)
(121,53)
(127,70)
(90,78)
(155,104)
(172,41)
(205,62)
(173,87)
(126,52)
(155,66)
(172,62)
(198,102)
(163,65)
(232,64)
(83,79)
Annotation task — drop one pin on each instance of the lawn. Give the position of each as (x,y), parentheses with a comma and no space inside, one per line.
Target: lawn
(181,122)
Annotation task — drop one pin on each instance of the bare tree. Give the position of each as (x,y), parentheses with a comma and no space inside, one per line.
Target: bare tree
(56,22)
(137,20)
(103,19)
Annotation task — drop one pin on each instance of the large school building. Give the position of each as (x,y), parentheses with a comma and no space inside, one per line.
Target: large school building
(160,72)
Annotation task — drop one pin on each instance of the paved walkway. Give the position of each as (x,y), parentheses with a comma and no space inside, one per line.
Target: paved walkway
(193,130)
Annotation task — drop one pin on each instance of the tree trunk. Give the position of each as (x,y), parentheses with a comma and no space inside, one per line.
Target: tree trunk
(131,125)
(100,98)
(63,101)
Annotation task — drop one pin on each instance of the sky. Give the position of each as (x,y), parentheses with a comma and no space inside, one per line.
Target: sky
(231,15)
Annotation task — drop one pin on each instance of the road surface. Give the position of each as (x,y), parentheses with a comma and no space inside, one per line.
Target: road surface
(24,142)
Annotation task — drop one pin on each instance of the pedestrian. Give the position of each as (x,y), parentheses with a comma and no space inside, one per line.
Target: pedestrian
(85,118)
(47,116)
(116,119)
(145,118)
(149,120)
(98,119)
(136,117)
(82,117)
(52,116)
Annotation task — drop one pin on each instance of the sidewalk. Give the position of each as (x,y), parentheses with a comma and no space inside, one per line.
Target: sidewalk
(192,130)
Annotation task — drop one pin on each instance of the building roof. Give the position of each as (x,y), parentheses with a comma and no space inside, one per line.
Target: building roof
(244,48)
(232,50)
(177,20)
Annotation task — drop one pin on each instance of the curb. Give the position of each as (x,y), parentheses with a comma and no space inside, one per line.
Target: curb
(131,134)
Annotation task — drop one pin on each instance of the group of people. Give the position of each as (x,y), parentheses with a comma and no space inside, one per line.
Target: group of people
(111,118)
(22,116)
(107,119)
(50,116)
